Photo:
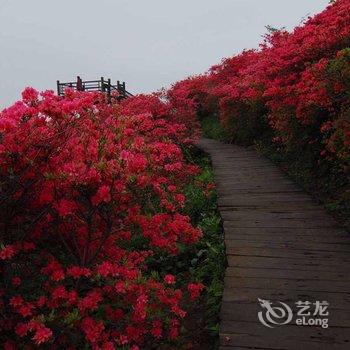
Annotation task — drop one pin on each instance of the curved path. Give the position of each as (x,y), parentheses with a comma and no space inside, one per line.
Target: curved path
(281,247)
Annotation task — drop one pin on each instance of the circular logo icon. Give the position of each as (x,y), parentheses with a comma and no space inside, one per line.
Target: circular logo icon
(274,315)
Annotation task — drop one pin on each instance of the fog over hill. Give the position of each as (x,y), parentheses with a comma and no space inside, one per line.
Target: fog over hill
(148,44)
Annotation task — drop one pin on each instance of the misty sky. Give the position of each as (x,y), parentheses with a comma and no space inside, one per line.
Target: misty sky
(149,44)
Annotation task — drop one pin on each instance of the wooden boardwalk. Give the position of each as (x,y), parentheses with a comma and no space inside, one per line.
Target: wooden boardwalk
(281,247)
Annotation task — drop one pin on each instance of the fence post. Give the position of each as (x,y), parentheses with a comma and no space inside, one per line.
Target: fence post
(58,88)
(79,84)
(102,85)
(124,90)
(109,90)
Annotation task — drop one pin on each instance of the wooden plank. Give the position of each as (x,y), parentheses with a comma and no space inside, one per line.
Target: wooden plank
(251,295)
(277,205)
(266,223)
(291,337)
(257,272)
(289,284)
(284,238)
(232,244)
(309,264)
(285,252)
(236,196)
(263,215)
(248,312)
(315,232)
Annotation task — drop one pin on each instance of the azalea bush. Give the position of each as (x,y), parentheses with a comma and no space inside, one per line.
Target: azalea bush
(293,91)
(90,194)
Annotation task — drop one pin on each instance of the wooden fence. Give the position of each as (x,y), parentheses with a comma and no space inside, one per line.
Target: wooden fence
(101,85)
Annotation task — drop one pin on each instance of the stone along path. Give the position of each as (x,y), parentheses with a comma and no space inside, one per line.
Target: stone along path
(281,247)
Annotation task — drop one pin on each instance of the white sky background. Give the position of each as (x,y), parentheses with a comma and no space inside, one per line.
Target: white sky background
(148,43)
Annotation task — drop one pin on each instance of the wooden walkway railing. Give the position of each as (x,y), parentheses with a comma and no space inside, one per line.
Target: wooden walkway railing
(101,85)
(284,253)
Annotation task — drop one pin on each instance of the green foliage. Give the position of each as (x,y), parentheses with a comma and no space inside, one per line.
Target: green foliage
(325,181)
(212,128)
(251,124)
(209,262)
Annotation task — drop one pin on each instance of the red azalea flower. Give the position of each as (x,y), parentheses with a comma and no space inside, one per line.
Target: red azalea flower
(169,279)
(195,289)
(42,335)
(7,252)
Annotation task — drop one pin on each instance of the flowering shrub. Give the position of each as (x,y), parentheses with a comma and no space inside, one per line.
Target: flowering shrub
(294,90)
(89,192)
(179,112)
